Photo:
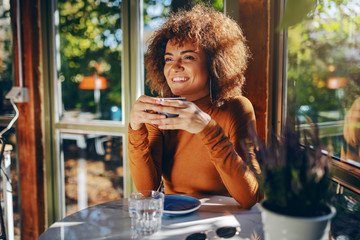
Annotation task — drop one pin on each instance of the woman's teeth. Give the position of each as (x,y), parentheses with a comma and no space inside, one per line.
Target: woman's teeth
(179,79)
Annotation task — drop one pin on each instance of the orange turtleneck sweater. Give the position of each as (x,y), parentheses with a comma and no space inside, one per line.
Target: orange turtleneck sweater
(211,162)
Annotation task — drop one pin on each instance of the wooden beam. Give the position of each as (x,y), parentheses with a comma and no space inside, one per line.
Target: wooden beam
(30,143)
(255,22)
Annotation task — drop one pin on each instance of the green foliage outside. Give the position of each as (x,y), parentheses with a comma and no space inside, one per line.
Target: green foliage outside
(90,40)
(324,45)
(155,12)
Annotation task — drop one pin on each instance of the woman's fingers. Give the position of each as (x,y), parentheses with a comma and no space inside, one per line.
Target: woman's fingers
(143,111)
(146,103)
(190,117)
(193,125)
(171,106)
(173,103)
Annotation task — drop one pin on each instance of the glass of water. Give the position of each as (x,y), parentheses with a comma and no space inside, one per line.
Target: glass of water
(145,210)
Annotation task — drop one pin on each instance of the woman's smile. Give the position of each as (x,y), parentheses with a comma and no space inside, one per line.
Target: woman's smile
(180,79)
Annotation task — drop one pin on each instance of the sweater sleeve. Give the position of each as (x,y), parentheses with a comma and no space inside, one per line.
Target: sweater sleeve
(145,153)
(228,155)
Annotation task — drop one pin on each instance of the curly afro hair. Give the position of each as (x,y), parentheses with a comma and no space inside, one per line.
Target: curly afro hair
(222,41)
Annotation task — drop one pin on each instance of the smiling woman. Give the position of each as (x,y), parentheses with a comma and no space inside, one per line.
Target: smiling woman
(222,41)
(200,55)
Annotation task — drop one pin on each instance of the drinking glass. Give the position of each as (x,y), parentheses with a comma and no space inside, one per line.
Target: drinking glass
(145,210)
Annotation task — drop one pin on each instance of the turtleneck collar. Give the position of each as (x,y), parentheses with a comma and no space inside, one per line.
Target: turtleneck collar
(204,103)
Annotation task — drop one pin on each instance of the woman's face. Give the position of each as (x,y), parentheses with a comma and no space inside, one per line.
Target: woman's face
(185,70)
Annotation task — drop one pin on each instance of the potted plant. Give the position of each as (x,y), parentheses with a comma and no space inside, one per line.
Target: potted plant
(295,178)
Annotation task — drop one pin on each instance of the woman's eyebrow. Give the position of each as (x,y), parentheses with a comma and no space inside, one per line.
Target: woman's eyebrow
(189,51)
(183,52)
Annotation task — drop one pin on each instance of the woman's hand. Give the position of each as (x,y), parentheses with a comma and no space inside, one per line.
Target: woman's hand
(143,112)
(190,118)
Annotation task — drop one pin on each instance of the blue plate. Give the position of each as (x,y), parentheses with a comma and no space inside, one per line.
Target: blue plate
(179,204)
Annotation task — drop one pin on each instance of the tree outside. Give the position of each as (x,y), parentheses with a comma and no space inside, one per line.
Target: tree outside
(323,66)
(90,38)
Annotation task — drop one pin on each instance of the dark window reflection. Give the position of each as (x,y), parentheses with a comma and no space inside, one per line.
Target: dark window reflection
(350,150)
(345,225)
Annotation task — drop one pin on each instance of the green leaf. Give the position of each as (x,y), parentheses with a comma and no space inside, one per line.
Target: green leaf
(295,12)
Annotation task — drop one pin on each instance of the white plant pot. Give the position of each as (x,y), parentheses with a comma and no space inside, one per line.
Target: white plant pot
(283,227)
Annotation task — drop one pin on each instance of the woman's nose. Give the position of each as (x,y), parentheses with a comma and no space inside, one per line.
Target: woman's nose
(177,66)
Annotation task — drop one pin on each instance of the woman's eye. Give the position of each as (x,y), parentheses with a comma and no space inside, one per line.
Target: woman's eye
(190,58)
(168,59)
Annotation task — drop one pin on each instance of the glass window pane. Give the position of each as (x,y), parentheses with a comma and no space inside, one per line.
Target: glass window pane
(155,12)
(93,169)
(6,78)
(89,48)
(324,74)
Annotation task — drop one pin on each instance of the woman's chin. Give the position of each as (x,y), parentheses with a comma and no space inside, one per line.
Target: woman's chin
(177,92)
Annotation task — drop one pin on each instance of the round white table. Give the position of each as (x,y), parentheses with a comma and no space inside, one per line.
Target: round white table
(111,221)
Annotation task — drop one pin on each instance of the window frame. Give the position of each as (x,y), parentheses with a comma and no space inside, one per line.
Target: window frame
(53,125)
